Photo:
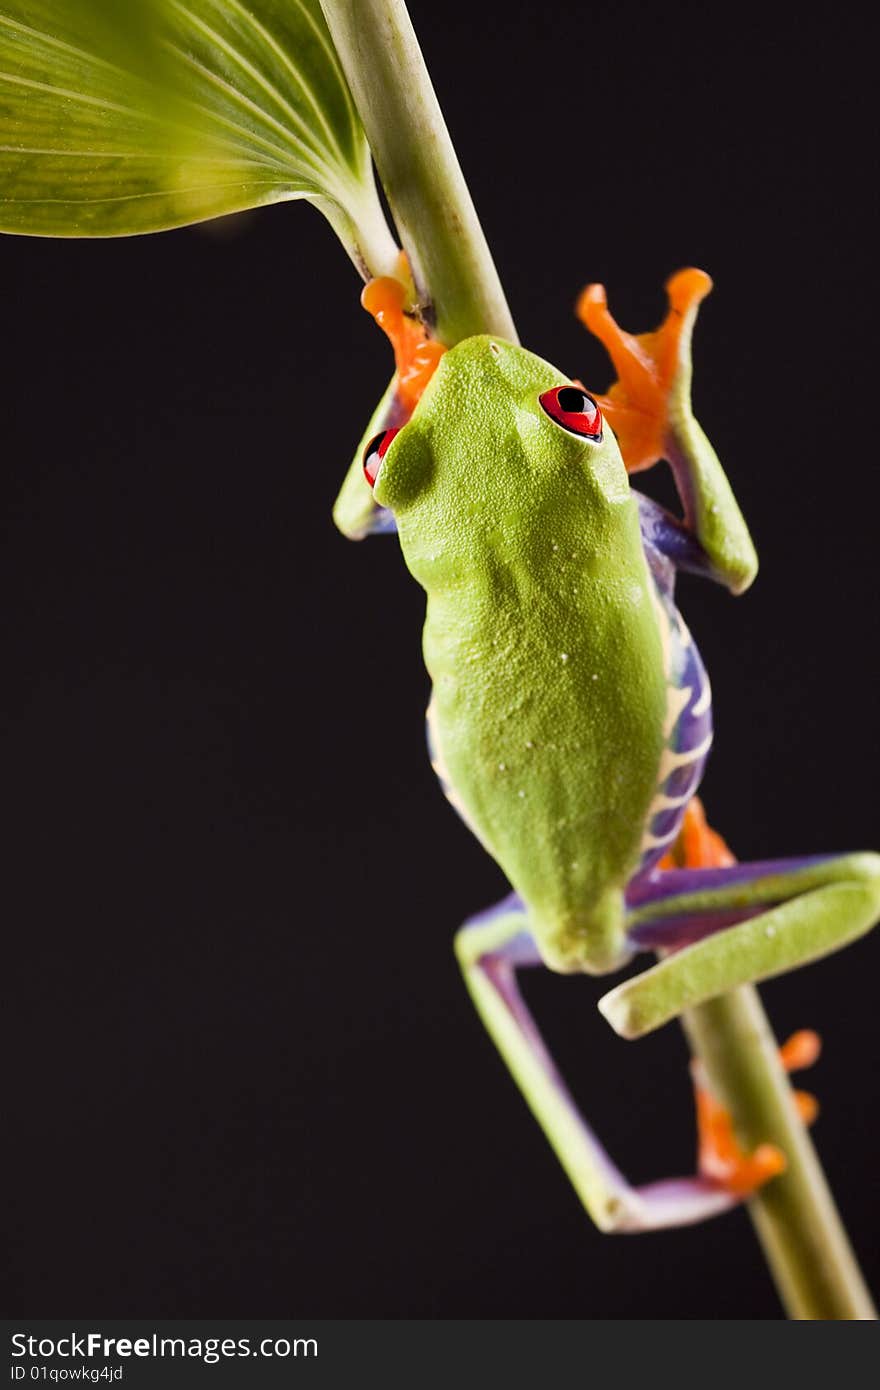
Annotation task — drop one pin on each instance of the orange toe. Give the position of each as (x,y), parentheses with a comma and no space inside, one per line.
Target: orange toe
(807,1106)
(801,1050)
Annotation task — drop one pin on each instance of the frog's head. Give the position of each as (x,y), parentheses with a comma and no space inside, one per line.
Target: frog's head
(499,442)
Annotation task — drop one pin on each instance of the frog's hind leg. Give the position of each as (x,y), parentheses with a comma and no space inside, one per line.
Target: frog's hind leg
(491,948)
(736,924)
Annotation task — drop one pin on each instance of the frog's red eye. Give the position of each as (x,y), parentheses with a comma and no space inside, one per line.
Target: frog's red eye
(574,410)
(375,452)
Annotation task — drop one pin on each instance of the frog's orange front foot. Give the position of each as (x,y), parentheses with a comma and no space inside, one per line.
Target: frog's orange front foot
(416,354)
(652,368)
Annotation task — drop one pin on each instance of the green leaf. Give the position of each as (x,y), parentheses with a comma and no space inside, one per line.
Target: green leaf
(127,116)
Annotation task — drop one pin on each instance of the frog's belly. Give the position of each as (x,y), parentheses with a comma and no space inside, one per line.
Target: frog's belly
(687,733)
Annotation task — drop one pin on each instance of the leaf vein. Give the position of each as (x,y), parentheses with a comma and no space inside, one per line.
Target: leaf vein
(297,73)
(244,104)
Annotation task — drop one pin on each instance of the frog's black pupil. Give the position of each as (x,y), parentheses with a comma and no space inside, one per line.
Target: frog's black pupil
(573,402)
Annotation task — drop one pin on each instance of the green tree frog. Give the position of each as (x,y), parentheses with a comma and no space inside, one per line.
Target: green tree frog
(570,717)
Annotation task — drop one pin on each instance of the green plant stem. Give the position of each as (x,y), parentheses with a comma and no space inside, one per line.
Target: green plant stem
(368,240)
(794,1215)
(448,254)
(795,1218)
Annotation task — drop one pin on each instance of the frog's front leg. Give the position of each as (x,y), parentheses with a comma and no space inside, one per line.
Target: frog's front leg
(491,948)
(649,409)
(737,925)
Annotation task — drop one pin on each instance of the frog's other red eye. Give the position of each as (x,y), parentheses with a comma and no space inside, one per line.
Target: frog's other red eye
(574,410)
(375,452)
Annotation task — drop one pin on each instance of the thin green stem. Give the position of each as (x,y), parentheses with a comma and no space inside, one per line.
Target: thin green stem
(438,225)
(794,1216)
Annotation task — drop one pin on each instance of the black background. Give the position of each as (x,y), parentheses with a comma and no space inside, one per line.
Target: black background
(243,1076)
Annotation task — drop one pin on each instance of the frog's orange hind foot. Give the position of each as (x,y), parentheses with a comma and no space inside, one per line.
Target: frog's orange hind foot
(647,365)
(720,1158)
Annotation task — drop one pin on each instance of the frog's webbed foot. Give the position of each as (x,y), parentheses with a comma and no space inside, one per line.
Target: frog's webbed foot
(389,300)
(720,1157)
(653,369)
(416,353)
(649,409)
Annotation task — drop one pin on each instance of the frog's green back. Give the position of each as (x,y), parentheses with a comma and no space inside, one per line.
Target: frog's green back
(541,638)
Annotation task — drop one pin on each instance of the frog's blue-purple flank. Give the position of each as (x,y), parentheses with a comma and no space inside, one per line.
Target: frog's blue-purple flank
(571,714)
(667,547)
